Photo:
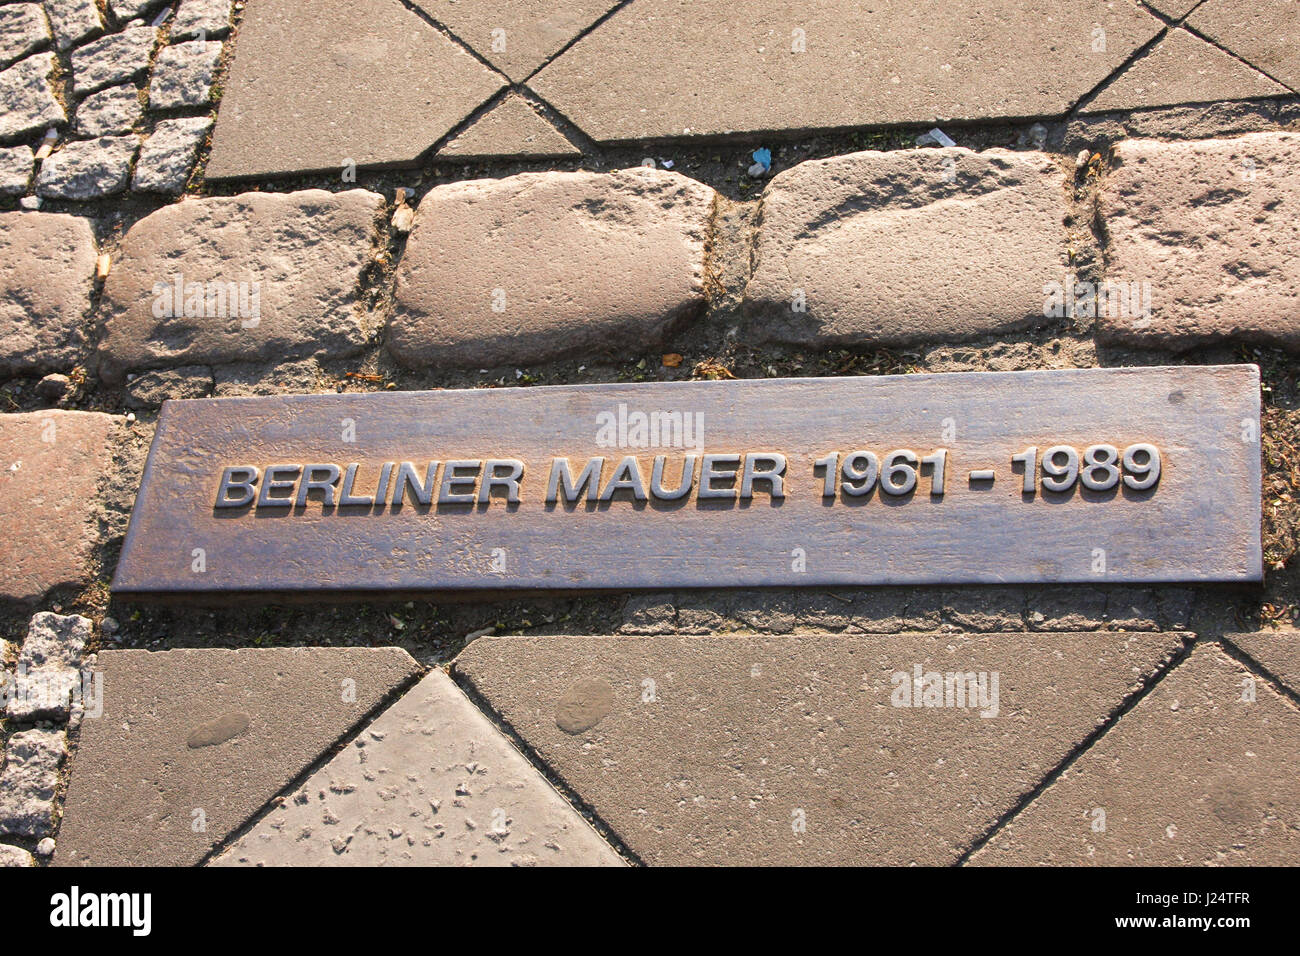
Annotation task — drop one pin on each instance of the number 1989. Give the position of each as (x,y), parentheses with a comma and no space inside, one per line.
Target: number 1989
(1100,468)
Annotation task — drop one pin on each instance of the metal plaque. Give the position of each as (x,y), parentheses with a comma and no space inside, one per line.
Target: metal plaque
(1086,475)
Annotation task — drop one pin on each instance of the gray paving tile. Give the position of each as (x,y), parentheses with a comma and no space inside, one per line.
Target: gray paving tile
(1265,33)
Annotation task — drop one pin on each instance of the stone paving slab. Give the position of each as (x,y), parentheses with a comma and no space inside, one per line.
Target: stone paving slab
(672,68)
(182,75)
(430,783)
(27,100)
(1194,775)
(23,28)
(1265,33)
(1278,651)
(29,781)
(109,112)
(15,170)
(113,59)
(543,265)
(192,743)
(90,169)
(13,856)
(516,36)
(511,128)
(1212,226)
(52,463)
(45,290)
(1183,68)
(294,259)
(887,248)
(168,155)
(49,667)
(210,18)
(807,749)
(319,84)
(73,20)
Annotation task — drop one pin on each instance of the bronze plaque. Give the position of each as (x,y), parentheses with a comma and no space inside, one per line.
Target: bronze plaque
(1088,475)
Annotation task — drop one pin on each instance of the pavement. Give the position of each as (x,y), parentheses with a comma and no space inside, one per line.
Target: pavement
(207,199)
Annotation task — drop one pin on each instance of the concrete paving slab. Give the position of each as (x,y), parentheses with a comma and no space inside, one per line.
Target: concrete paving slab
(321,84)
(1183,68)
(674,68)
(887,248)
(807,749)
(1277,651)
(516,36)
(1265,33)
(50,466)
(192,743)
(1211,227)
(1195,775)
(430,783)
(286,267)
(511,128)
(543,265)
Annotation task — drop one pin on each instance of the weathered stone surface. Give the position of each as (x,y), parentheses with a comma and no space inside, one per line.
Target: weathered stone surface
(511,128)
(1278,651)
(305,250)
(153,388)
(894,61)
(129,9)
(1213,227)
(11,856)
(369,84)
(182,75)
(44,289)
(516,36)
(718,749)
(208,17)
(542,265)
(109,112)
(28,782)
(1265,34)
(901,247)
(23,28)
(1193,775)
(73,20)
(208,736)
(49,667)
(52,461)
(1183,68)
(430,782)
(27,102)
(113,59)
(89,169)
(168,155)
(15,171)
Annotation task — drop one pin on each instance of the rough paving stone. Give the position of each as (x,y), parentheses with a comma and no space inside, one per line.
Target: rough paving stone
(1066,609)
(52,462)
(370,84)
(1208,121)
(113,59)
(1266,34)
(50,667)
(28,782)
(130,9)
(109,112)
(738,740)
(516,36)
(15,170)
(209,17)
(73,20)
(1183,68)
(208,735)
(90,169)
(1277,651)
(1213,227)
(900,247)
(153,388)
(304,250)
(511,128)
(27,101)
(182,75)
(894,61)
(45,290)
(168,155)
(23,28)
(430,783)
(1193,775)
(15,856)
(542,265)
